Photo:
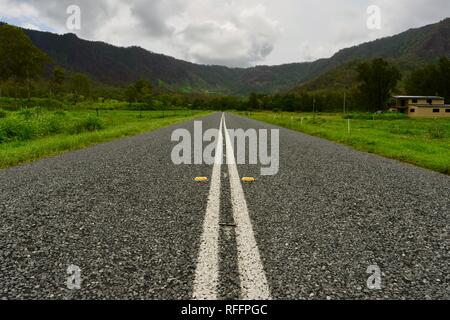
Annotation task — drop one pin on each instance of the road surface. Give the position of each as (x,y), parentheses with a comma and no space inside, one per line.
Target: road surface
(138,227)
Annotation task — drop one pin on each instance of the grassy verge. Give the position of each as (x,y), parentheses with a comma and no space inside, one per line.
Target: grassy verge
(34,134)
(422,142)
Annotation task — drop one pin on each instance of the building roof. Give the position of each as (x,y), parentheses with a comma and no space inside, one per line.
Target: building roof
(436,106)
(419,97)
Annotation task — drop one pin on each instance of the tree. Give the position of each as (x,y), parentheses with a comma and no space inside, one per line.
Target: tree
(254,101)
(143,87)
(80,85)
(57,80)
(139,91)
(131,94)
(143,90)
(378,79)
(432,79)
(443,78)
(20,59)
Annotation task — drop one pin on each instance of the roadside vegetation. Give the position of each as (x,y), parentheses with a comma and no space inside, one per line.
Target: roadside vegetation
(46,109)
(422,142)
(30,134)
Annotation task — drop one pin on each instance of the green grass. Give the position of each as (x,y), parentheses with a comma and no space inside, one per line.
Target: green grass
(422,142)
(32,134)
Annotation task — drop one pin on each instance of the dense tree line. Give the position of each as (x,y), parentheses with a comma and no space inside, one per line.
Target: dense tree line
(377,80)
(20,60)
(433,79)
(25,71)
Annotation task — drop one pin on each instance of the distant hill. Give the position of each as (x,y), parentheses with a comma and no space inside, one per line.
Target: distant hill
(119,66)
(407,51)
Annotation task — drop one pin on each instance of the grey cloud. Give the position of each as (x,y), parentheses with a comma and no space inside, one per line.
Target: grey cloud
(150,15)
(231,32)
(239,40)
(153,15)
(205,31)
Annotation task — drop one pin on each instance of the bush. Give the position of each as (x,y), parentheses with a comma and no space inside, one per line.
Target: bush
(93,123)
(51,125)
(316,120)
(14,128)
(377,116)
(90,123)
(15,104)
(22,126)
(3,114)
(27,114)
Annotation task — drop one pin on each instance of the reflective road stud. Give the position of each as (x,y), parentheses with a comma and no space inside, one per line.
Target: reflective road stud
(248,179)
(201,179)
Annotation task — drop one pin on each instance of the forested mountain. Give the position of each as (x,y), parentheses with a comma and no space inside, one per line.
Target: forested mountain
(119,66)
(407,51)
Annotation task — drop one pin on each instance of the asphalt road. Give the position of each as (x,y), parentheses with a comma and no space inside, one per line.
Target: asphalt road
(133,222)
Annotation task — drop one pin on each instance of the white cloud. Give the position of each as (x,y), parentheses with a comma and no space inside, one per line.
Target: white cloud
(232,34)
(15,9)
(310,51)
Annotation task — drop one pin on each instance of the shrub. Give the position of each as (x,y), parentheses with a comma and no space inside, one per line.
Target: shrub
(51,125)
(371,116)
(316,120)
(90,123)
(14,128)
(14,104)
(3,114)
(27,114)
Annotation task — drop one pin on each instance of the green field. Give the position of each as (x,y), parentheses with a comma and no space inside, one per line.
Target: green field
(422,142)
(31,134)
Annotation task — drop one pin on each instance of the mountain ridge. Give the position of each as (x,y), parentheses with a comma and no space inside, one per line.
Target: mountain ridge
(121,65)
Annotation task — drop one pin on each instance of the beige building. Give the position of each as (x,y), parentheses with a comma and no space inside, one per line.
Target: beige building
(422,106)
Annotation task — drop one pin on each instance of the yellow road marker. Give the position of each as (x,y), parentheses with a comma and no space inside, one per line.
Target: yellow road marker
(248,179)
(201,179)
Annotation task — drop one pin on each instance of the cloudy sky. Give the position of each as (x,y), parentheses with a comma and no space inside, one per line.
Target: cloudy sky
(229,32)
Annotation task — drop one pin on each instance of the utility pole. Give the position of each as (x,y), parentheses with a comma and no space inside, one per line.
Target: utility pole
(345,103)
(314,108)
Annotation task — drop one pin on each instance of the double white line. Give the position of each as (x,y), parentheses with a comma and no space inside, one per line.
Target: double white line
(251,272)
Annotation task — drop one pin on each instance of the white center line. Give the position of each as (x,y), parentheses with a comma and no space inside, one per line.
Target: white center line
(253,279)
(207,272)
